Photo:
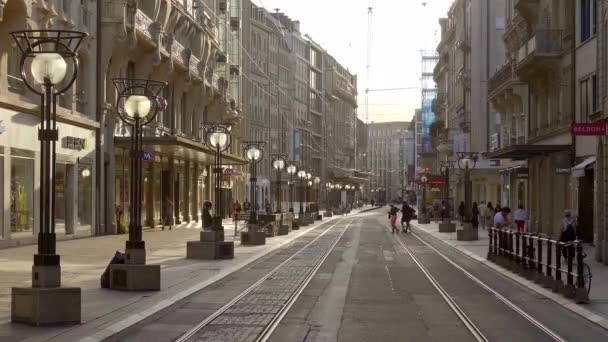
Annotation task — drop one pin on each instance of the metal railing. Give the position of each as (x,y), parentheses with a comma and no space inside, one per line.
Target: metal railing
(553,264)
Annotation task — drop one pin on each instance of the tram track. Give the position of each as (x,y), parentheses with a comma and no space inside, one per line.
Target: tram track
(473,328)
(255,313)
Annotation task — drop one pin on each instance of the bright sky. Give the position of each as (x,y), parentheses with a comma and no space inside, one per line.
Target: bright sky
(400,30)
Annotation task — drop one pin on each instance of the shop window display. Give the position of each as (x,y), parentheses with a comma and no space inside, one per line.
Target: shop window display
(22,195)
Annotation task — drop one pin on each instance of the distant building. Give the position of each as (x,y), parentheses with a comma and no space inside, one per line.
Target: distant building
(387,155)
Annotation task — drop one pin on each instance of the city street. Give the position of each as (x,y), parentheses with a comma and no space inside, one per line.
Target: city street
(351,279)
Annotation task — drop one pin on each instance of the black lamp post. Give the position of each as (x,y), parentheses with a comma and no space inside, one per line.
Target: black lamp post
(47,57)
(254,152)
(217,136)
(423,213)
(278,164)
(302,177)
(467,162)
(291,170)
(137,104)
(446,165)
(317,183)
(328,188)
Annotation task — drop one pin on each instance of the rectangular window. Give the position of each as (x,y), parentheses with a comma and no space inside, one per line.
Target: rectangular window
(594,92)
(588,19)
(22,195)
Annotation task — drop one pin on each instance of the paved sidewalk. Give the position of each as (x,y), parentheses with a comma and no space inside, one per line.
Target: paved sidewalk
(106,311)
(596,311)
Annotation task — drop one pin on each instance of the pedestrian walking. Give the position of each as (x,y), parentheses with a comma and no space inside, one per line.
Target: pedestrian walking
(520,216)
(461,211)
(501,218)
(407,213)
(207,219)
(568,232)
(488,216)
(392,217)
(497,209)
(475,216)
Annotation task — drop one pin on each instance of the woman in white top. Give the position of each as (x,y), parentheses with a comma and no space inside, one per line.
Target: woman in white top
(520,216)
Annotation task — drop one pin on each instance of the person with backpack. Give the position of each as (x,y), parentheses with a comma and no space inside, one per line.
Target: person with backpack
(568,232)
(392,217)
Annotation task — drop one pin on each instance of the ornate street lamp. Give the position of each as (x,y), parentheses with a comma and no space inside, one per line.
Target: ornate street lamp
(317,183)
(423,214)
(278,164)
(218,137)
(254,152)
(302,177)
(446,226)
(467,162)
(291,170)
(328,188)
(47,57)
(446,165)
(137,104)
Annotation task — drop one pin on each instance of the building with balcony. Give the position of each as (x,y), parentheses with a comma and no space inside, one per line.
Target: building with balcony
(187,44)
(599,29)
(79,168)
(534,92)
(470,49)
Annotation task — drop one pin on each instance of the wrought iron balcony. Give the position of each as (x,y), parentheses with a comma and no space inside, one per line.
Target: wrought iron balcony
(502,78)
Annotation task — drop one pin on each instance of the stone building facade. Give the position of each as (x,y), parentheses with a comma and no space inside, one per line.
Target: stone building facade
(77,176)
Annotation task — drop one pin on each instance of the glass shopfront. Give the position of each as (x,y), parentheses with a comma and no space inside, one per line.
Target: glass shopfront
(85,191)
(22,193)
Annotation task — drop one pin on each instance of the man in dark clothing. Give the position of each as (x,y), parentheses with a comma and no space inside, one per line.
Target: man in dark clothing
(407,214)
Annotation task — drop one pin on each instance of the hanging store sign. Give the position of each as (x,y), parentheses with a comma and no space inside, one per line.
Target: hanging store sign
(148,156)
(74,143)
(588,128)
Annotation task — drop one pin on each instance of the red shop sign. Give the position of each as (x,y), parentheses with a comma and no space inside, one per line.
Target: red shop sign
(592,128)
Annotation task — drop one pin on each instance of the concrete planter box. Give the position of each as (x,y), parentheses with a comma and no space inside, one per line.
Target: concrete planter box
(40,306)
(253,238)
(132,277)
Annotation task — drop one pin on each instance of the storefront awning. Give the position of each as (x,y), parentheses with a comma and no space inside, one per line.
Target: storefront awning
(521,152)
(579,170)
(181,148)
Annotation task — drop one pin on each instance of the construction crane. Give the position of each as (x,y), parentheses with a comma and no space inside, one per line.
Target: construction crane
(370,12)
